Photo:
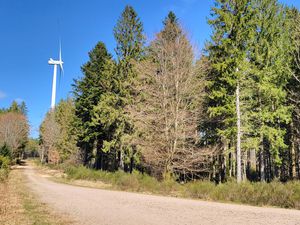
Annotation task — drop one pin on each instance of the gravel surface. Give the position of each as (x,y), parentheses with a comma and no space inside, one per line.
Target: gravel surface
(103,207)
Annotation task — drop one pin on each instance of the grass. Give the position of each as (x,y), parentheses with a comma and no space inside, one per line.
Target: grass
(19,206)
(285,195)
(260,194)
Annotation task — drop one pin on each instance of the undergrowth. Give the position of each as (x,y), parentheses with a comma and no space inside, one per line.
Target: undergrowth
(285,195)
(4,168)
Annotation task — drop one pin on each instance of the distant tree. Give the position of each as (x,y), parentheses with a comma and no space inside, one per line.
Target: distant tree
(58,135)
(18,108)
(14,107)
(23,108)
(32,148)
(49,134)
(66,141)
(14,131)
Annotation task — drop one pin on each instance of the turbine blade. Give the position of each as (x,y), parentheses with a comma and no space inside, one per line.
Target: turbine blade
(60,50)
(59,79)
(61,68)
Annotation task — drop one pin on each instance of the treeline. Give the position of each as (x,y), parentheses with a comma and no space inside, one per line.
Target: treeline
(14,130)
(157,108)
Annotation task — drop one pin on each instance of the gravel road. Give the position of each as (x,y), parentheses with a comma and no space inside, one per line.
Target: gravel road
(102,207)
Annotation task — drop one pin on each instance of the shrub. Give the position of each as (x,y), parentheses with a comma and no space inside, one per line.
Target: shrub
(4,168)
(4,162)
(5,151)
(198,189)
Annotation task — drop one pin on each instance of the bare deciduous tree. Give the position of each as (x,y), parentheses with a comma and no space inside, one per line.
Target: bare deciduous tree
(14,131)
(167,107)
(49,131)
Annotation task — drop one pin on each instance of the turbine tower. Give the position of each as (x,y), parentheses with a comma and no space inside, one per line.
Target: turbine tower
(55,63)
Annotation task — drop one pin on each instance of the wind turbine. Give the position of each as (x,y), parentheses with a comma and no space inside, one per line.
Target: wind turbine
(55,63)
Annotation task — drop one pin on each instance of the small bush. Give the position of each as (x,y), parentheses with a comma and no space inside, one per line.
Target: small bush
(4,162)
(198,189)
(5,151)
(127,182)
(4,168)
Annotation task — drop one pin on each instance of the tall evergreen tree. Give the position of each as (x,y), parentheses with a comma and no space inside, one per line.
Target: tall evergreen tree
(248,80)
(130,40)
(270,65)
(14,107)
(228,52)
(18,108)
(23,108)
(129,36)
(293,88)
(87,93)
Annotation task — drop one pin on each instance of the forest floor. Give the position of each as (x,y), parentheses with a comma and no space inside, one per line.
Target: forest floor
(107,207)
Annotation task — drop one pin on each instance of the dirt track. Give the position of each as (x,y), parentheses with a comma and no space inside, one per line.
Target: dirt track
(103,207)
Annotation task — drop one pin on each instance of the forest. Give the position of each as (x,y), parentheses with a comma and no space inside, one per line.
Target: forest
(164,108)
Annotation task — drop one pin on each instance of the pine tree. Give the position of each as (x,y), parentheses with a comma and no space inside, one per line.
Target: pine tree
(130,40)
(129,36)
(293,87)
(14,107)
(171,28)
(249,60)
(228,52)
(23,108)
(270,65)
(107,118)
(18,108)
(87,93)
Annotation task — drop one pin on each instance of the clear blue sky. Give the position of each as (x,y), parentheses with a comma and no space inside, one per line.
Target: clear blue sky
(30,32)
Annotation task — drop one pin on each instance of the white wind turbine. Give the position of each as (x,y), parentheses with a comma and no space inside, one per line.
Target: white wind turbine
(55,63)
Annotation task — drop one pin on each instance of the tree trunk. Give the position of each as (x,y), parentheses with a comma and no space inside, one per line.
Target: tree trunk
(121,161)
(262,165)
(214,169)
(230,164)
(43,155)
(131,164)
(238,141)
(293,154)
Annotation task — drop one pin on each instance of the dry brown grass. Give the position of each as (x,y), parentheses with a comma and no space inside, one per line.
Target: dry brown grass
(11,208)
(19,206)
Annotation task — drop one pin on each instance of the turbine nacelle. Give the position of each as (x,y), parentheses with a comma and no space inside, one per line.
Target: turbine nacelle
(55,62)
